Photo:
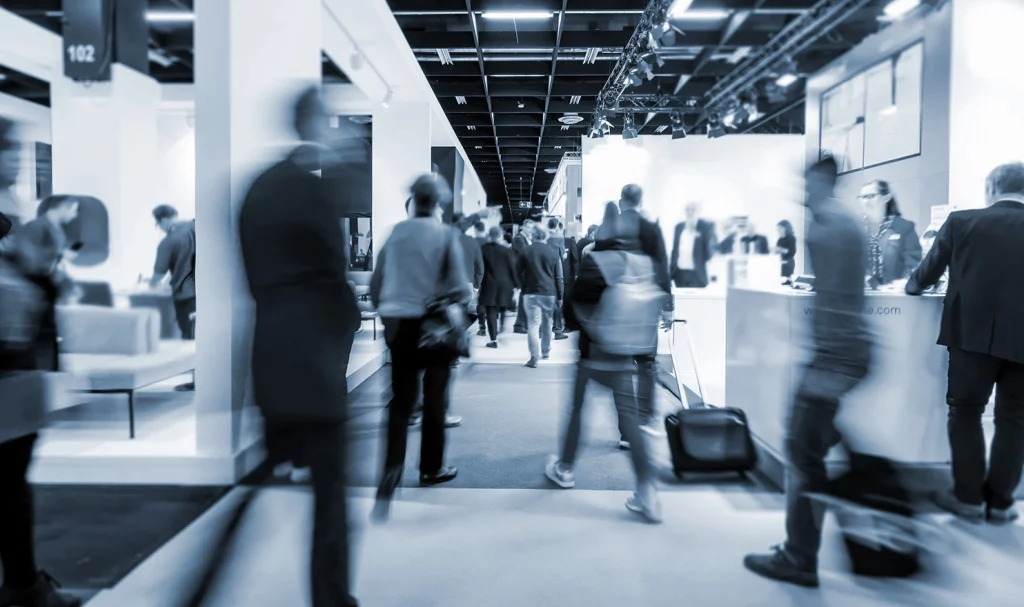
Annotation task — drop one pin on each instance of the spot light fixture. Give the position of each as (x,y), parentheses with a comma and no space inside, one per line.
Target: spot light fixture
(628,127)
(715,127)
(678,127)
(634,78)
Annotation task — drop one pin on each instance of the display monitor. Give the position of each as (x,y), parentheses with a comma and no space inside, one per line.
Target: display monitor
(874,116)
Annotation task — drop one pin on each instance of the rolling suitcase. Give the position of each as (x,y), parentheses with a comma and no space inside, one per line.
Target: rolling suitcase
(705,438)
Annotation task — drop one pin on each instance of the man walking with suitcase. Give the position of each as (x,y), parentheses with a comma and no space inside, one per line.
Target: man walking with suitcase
(841,349)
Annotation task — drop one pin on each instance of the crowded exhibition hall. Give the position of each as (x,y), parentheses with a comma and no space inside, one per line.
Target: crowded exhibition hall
(507,303)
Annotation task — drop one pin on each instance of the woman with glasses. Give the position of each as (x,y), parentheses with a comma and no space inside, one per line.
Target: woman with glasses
(894,249)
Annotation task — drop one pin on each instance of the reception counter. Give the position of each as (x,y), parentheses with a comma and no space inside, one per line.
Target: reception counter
(704,311)
(899,411)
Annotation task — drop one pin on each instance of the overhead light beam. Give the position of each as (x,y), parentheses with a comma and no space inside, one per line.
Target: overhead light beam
(518,15)
(170,16)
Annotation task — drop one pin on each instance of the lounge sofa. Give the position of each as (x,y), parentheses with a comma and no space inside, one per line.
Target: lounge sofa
(118,351)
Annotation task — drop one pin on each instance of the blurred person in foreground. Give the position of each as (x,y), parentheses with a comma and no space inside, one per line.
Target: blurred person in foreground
(30,346)
(10,167)
(473,260)
(612,259)
(421,260)
(539,269)
(498,288)
(983,329)
(642,235)
(295,261)
(520,242)
(841,349)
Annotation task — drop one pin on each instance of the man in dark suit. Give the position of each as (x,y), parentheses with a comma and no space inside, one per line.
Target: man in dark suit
(293,250)
(692,247)
(520,242)
(585,242)
(474,261)
(499,285)
(983,329)
(539,270)
(645,236)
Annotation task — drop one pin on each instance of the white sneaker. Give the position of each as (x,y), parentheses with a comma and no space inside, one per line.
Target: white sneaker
(558,476)
(623,444)
(651,511)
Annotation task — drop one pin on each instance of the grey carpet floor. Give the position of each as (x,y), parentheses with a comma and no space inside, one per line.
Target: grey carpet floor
(512,421)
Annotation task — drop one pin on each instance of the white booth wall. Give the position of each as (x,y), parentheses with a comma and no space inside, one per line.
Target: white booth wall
(756,176)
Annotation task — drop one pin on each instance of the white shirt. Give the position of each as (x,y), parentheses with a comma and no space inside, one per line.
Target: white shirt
(686,242)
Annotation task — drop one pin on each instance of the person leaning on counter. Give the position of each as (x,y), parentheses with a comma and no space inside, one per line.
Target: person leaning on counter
(894,250)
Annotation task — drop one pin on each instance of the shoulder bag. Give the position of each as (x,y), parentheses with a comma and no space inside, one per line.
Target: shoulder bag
(445,325)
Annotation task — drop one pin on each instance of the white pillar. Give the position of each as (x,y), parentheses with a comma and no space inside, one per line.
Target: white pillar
(401,153)
(105,146)
(253,57)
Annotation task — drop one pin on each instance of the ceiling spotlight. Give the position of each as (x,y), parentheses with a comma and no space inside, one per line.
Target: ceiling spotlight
(460,100)
(663,35)
(521,105)
(678,127)
(571,119)
(470,127)
(634,78)
(479,147)
(628,127)
(898,9)
(787,80)
(715,127)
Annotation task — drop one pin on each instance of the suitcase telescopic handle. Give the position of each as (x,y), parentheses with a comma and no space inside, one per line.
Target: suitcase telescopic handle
(675,363)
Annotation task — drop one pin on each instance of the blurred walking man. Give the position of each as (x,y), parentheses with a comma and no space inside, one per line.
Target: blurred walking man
(520,242)
(306,319)
(540,276)
(983,329)
(841,353)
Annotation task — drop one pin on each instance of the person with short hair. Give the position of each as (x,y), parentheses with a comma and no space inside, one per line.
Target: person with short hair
(693,246)
(420,260)
(539,269)
(480,232)
(785,248)
(983,329)
(176,256)
(520,242)
(840,360)
(586,241)
(498,288)
(306,316)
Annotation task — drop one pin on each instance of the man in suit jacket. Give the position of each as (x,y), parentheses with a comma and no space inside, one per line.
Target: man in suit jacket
(539,269)
(295,260)
(648,239)
(520,242)
(585,242)
(983,329)
(692,247)
(500,282)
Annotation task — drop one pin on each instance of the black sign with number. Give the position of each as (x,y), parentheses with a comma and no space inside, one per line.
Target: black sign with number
(88,39)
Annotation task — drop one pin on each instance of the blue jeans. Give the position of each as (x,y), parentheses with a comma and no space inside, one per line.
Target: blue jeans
(540,310)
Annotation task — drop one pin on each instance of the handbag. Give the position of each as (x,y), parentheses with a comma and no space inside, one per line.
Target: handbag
(445,326)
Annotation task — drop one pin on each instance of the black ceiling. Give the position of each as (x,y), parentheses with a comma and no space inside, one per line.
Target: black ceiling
(504,92)
(173,41)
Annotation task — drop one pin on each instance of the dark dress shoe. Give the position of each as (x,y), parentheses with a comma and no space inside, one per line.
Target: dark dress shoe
(778,566)
(444,475)
(45,593)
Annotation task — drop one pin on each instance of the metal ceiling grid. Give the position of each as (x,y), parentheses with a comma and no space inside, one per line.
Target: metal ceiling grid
(505,84)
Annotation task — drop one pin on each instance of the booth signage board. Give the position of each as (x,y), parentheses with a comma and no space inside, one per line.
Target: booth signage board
(88,38)
(939,214)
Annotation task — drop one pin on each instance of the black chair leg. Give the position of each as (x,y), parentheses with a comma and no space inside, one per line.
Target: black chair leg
(131,414)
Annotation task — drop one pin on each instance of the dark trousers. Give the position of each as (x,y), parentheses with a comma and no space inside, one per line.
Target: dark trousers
(558,325)
(689,279)
(647,376)
(811,435)
(521,317)
(322,447)
(17,521)
(183,311)
(407,361)
(972,376)
(621,384)
(495,321)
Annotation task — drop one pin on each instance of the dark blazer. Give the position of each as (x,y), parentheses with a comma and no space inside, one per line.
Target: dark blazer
(901,250)
(582,244)
(293,251)
(652,244)
(984,252)
(754,244)
(540,271)
(703,248)
(500,279)
(471,256)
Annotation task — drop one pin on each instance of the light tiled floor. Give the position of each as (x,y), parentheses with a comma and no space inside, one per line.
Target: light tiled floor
(552,548)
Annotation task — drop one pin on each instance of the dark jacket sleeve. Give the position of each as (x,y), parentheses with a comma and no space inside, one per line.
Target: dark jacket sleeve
(478,265)
(674,259)
(377,279)
(655,249)
(585,293)
(910,247)
(559,279)
(931,269)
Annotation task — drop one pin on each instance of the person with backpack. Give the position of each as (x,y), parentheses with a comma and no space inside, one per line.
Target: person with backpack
(616,305)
